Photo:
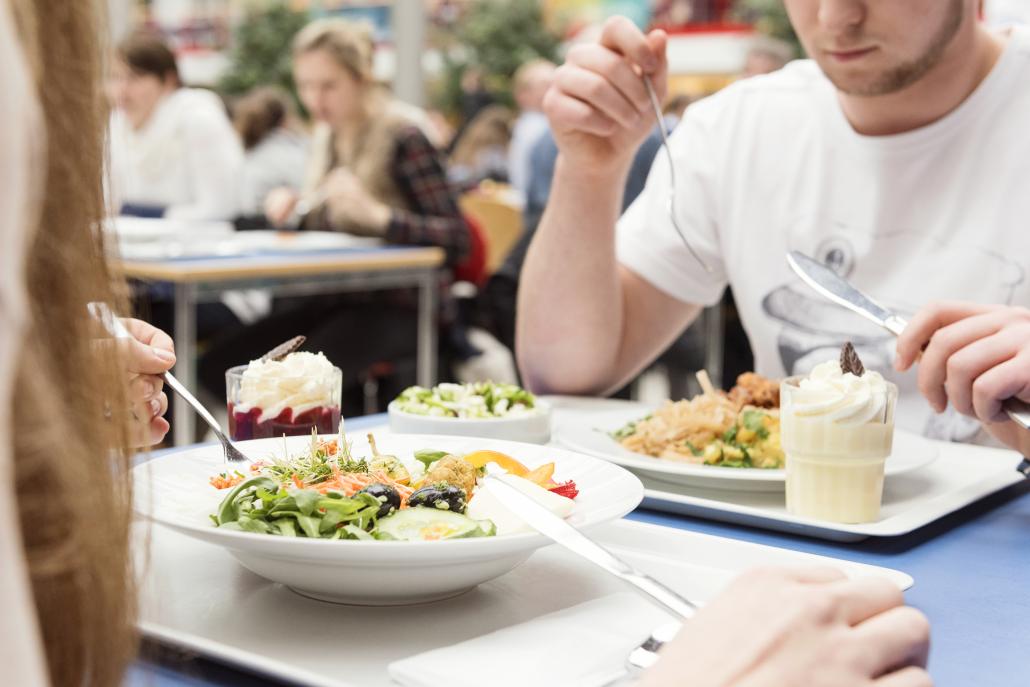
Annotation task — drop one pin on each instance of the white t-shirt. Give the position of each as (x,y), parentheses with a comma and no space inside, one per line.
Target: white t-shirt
(186,158)
(771,164)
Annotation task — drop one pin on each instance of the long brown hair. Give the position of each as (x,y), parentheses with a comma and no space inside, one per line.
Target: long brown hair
(259,113)
(71,412)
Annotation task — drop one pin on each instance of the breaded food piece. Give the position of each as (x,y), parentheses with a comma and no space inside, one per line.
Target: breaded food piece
(453,470)
(755,390)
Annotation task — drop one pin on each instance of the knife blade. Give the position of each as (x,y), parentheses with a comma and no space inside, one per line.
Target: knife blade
(837,289)
(830,285)
(550,525)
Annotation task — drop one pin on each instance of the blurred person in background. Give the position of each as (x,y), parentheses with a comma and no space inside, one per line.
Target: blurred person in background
(173,150)
(474,98)
(529,85)
(371,172)
(482,152)
(275,150)
(766,55)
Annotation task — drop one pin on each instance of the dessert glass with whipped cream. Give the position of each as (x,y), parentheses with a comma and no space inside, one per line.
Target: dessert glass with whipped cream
(270,398)
(837,428)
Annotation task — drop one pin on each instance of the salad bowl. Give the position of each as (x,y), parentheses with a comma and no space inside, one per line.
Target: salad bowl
(484,409)
(175,491)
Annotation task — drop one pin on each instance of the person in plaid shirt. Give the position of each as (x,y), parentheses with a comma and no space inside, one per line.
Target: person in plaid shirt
(372,171)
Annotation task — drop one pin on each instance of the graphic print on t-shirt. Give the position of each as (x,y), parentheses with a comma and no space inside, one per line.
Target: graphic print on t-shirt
(813,328)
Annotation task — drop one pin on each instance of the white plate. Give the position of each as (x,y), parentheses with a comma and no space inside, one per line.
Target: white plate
(173,490)
(534,428)
(195,597)
(911,452)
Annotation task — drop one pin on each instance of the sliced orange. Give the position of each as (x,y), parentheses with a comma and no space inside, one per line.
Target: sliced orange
(541,475)
(479,459)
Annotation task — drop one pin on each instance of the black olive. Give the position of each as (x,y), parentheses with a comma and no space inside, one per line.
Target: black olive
(387,496)
(441,496)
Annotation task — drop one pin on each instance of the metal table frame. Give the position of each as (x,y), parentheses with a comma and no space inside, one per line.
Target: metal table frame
(189,294)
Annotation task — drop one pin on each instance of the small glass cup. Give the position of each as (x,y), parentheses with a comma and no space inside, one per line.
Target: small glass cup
(835,471)
(248,421)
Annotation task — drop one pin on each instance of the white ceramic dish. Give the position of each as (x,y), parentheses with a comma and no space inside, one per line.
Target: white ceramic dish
(196,597)
(173,490)
(534,428)
(911,452)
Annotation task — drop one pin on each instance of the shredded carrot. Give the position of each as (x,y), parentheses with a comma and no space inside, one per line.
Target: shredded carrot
(350,483)
(224,481)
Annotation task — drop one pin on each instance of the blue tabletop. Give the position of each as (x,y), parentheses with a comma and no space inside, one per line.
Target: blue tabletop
(968,568)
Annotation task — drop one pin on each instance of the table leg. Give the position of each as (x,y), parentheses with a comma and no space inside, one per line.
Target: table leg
(427,291)
(185,365)
(714,335)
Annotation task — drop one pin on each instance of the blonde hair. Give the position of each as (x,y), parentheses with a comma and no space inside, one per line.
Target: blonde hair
(490,128)
(349,43)
(70,466)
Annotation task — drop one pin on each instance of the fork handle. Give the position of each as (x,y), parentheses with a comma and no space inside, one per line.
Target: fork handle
(203,412)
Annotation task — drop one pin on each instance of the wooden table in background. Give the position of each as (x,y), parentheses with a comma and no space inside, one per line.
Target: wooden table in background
(205,279)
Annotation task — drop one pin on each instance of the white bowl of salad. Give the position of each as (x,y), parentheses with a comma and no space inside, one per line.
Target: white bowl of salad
(399,521)
(489,410)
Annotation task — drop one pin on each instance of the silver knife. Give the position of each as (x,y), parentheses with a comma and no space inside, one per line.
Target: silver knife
(550,525)
(828,283)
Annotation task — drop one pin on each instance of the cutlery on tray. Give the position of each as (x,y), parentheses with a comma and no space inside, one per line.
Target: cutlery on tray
(829,284)
(550,525)
(102,313)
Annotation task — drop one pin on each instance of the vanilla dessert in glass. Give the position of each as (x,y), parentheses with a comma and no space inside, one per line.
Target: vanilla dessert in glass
(837,428)
(270,398)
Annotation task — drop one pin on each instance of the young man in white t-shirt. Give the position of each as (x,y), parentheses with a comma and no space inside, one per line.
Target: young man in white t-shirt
(898,155)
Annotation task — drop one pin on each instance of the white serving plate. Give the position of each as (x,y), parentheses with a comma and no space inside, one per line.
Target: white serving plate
(534,428)
(962,475)
(195,597)
(590,436)
(173,490)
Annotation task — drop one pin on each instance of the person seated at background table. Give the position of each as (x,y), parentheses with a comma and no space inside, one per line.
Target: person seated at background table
(896,156)
(371,172)
(529,84)
(275,148)
(173,152)
(973,357)
(68,594)
(482,152)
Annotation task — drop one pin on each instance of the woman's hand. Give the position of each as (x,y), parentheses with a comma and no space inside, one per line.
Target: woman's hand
(149,354)
(811,627)
(974,357)
(280,204)
(351,205)
(597,105)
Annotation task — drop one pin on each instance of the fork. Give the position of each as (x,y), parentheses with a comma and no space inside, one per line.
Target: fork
(114,326)
(672,172)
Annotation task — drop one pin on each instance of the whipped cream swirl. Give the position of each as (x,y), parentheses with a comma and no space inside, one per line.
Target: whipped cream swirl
(300,381)
(839,397)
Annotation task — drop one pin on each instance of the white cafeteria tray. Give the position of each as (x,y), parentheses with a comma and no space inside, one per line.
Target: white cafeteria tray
(961,475)
(195,596)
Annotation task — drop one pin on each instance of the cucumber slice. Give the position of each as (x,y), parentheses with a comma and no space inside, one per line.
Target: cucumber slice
(488,528)
(428,524)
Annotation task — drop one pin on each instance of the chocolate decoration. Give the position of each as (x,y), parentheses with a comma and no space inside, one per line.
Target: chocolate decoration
(850,362)
(284,349)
